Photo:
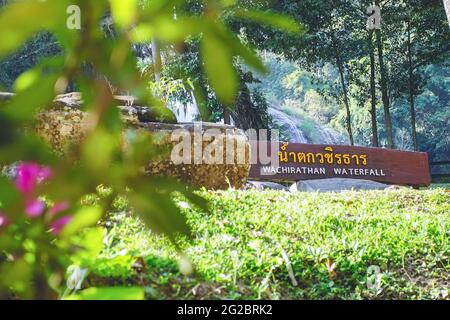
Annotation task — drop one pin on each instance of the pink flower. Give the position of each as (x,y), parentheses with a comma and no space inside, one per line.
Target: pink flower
(29,175)
(59,224)
(3,220)
(58,207)
(34,208)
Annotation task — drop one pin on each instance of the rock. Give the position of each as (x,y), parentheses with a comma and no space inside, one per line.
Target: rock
(336,185)
(396,187)
(71,100)
(65,124)
(5,97)
(131,109)
(61,128)
(9,171)
(266,185)
(210,176)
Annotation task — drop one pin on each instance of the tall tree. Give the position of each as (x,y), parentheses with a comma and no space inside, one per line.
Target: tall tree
(420,36)
(328,41)
(157,61)
(384,87)
(447,9)
(373,99)
(411,87)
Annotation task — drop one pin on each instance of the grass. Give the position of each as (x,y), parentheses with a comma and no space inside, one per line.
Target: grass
(258,244)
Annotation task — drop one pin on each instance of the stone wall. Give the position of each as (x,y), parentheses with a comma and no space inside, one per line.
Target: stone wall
(66,124)
(212,176)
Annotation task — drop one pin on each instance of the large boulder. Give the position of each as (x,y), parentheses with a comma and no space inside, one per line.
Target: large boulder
(132,110)
(220,175)
(65,123)
(265,185)
(336,185)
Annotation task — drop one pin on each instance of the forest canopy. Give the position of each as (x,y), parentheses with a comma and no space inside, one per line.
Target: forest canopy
(386,87)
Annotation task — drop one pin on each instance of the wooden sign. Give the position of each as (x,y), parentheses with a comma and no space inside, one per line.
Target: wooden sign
(306,161)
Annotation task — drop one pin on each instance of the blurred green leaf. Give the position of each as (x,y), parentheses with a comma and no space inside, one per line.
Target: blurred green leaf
(84,217)
(160,7)
(169,184)
(37,96)
(124,12)
(16,275)
(218,63)
(98,151)
(31,76)
(157,209)
(8,192)
(90,242)
(112,293)
(26,79)
(272,19)
(169,30)
(21,19)
(228,3)
(246,53)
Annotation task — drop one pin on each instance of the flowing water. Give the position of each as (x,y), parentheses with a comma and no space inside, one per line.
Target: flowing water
(289,125)
(329,136)
(286,124)
(185,112)
(291,131)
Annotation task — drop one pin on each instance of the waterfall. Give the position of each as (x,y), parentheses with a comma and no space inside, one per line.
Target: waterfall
(289,126)
(329,136)
(185,112)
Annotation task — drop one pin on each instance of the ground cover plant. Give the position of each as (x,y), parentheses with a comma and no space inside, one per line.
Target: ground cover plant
(33,257)
(278,245)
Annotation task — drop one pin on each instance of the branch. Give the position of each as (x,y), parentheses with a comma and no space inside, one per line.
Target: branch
(32,53)
(430,56)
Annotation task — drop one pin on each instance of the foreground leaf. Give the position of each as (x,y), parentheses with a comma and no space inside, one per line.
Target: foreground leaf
(218,63)
(113,293)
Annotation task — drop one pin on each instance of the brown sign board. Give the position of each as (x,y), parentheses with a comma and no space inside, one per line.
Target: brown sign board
(298,161)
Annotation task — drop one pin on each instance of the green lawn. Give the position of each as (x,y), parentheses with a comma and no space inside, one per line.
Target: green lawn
(256,245)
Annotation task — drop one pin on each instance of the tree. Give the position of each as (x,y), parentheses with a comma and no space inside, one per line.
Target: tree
(447,9)
(420,37)
(39,269)
(373,101)
(384,86)
(329,40)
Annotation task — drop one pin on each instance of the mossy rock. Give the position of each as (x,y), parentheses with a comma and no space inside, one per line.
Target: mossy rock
(66,124)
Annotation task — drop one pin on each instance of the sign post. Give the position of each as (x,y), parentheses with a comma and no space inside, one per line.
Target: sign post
(305,161)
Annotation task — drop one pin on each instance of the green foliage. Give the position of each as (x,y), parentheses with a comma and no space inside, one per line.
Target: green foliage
(330,239)
(39,47)
(112,293)
(336,35)
(100,159)
(249,109)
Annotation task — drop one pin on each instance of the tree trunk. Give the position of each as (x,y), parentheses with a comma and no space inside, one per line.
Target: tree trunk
(411,90)
(226,116)
(373,109)
(346,102)
(157,62)
(384,91)
(447,9)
